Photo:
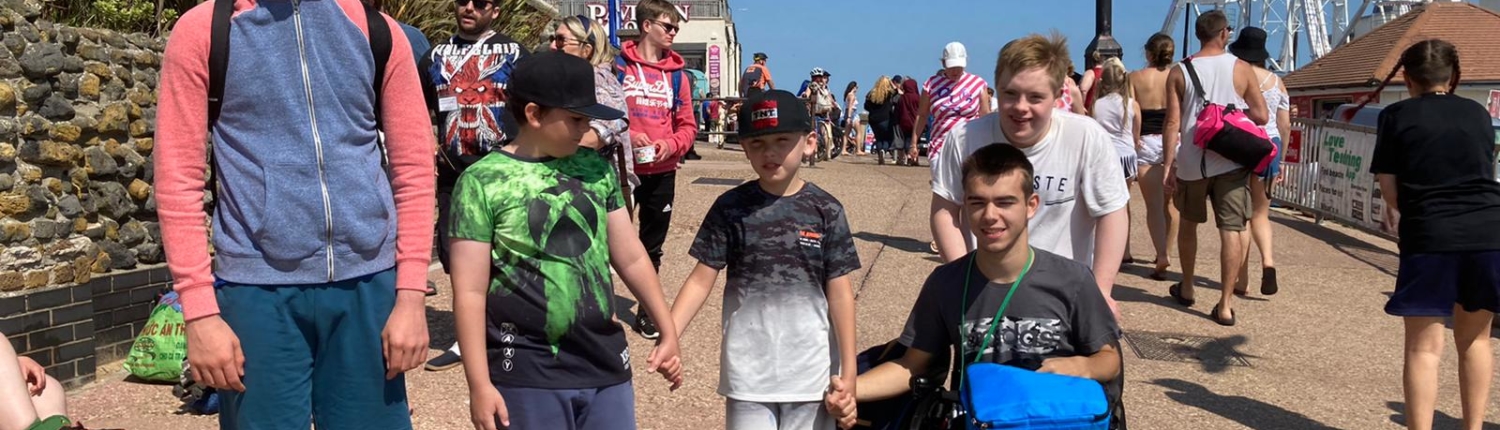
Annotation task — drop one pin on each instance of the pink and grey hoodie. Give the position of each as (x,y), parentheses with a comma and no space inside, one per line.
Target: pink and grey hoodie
(650,98)
(303,198)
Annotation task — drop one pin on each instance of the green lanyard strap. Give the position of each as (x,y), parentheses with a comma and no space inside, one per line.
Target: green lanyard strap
(996,322)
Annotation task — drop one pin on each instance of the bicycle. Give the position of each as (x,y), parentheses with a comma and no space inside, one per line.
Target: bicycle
(821,133)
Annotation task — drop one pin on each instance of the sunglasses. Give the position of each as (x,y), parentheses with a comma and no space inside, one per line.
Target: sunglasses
(478,4)
(668,27)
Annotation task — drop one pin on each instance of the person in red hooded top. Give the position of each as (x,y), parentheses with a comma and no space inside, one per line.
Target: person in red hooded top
(658,95)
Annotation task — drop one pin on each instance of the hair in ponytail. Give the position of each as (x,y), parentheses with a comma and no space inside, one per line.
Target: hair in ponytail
(1116,80)
(1426,63)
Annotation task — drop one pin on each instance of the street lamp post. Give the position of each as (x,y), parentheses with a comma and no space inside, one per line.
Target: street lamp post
(1103,42)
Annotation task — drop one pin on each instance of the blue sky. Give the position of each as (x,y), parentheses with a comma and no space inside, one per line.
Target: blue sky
(863,39)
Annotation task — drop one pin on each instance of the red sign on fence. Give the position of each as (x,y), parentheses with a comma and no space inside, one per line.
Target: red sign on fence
(1292,150)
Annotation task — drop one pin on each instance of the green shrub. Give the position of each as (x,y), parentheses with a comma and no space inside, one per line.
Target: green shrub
(127,16)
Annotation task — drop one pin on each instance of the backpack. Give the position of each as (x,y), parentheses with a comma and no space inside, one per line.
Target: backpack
(379,35)
(676,81)
(1226,130)
(822,100)
(754,77)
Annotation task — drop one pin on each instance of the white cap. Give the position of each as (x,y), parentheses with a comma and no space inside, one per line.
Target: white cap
(954,55)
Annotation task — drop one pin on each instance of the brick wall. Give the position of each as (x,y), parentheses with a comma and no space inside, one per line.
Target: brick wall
(72,330)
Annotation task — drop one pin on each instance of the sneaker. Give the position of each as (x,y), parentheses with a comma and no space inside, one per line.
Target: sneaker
(645,327)
(448,360)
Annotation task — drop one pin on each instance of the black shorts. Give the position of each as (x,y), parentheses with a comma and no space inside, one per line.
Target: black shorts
(1429,285)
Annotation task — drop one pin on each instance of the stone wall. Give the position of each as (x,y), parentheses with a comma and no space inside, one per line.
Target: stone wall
(77,113)
(80,247)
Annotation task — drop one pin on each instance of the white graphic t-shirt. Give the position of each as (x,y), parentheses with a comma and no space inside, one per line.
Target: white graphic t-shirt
(1078,176)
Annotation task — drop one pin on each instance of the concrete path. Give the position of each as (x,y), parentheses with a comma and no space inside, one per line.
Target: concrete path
(1321,354)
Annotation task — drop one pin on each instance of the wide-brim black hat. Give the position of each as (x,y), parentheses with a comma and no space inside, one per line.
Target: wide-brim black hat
(561,81)
(1251,45)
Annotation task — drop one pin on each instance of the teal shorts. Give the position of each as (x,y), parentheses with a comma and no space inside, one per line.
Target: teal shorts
(313,353)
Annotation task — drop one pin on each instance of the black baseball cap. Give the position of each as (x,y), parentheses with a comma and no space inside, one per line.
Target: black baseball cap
(557,80)
(775,111)
(760,56)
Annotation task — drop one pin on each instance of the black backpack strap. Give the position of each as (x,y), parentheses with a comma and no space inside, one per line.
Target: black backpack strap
(218,65)
(380,45)
(1192,73)
(218,57)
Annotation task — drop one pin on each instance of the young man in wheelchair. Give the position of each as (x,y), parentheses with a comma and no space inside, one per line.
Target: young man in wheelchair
(1052,317)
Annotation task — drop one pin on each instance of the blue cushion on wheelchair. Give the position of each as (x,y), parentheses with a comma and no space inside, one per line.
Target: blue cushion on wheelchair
(997,396)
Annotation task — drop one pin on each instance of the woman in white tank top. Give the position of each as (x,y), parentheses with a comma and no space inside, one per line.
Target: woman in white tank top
(1121,118)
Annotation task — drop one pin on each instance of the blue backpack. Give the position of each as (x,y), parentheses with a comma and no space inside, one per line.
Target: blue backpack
(676,81)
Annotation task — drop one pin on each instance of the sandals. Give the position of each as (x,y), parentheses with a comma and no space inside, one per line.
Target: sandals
(1176,292)
(1268,281)
(1227,323)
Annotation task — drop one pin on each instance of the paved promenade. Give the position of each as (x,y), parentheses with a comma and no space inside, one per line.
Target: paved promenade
(1321,354)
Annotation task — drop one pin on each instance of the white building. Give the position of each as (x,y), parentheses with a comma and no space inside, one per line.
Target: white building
(708,41)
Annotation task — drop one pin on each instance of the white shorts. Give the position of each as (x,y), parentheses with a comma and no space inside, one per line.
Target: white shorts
(1150,152)
(777,416)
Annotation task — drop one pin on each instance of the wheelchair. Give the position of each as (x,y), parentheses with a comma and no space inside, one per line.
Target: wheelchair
(929,405)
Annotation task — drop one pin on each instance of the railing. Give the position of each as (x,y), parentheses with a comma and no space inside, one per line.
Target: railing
(1326,171)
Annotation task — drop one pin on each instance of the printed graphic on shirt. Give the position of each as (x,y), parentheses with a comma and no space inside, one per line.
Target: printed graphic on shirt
(1024,339)
(550,293)
(470,82)
(652,98)
(953,102)
(1054,189)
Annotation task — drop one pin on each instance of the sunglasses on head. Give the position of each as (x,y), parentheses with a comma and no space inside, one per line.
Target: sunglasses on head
(478,4)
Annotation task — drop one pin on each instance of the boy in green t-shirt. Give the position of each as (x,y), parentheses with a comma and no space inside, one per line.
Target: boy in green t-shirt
(534,230)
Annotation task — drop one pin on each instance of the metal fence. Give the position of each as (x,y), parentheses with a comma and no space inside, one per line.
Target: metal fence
(1326,168)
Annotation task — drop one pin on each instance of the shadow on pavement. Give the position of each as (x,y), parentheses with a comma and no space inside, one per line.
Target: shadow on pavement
(1440,420)
(440,331)
(1377,257)
(902,243)
(1248,412)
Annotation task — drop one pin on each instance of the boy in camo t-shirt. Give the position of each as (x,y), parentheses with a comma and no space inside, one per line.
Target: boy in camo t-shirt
(788,249)
(535,227)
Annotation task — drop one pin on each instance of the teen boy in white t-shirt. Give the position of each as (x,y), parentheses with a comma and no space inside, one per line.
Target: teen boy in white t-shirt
(1078,175)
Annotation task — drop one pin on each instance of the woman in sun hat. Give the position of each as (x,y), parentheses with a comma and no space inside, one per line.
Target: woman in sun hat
(1251,47)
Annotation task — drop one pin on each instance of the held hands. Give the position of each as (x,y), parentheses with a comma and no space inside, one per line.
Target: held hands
(404,339)
(214,354)
(840,402)
(665,360)
(487,409)
(35,376)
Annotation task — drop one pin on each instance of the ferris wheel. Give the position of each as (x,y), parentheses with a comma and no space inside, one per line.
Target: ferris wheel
(1318,25)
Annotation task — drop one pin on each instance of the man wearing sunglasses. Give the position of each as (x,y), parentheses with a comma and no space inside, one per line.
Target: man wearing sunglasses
(464,80)
(662,128)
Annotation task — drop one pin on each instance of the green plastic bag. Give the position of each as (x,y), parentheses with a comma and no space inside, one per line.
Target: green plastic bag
(158,353)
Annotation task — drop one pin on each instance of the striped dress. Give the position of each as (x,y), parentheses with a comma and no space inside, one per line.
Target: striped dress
(954,102)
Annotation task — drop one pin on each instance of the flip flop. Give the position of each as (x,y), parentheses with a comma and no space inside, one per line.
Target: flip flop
(1268,281)
(1176,292)
(1227,323)
(1160,272)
